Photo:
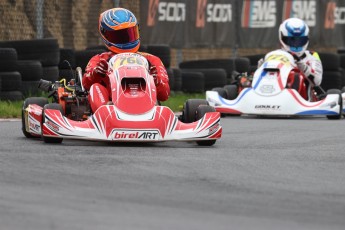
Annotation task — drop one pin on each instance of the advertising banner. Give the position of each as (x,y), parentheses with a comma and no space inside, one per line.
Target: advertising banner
(240,23)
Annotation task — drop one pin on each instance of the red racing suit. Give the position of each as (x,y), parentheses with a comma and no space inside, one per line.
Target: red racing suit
(91,77)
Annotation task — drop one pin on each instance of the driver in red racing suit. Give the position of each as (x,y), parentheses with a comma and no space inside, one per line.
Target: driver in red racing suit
(119,30)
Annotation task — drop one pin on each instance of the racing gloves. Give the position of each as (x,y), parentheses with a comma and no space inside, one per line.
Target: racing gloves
(101,68)
(312,70)
(153,73)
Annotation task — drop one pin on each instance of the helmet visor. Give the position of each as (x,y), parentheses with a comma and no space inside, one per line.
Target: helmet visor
(121,36)
(295,41)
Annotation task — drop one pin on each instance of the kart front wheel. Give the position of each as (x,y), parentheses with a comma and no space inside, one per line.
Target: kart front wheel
(200,112)
(189,109)
(55,106)
(338,116)
(41,101)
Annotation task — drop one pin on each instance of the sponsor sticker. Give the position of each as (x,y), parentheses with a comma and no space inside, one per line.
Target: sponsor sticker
(130,134)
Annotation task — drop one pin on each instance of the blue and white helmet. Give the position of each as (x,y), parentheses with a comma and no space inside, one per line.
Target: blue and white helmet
(294,36)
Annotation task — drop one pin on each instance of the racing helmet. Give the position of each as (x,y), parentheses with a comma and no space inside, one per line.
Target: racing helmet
(293,36)
(119,30)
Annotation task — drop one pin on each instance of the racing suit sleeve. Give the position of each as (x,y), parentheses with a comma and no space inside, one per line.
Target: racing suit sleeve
(311,66)
(162,79)
(91,76)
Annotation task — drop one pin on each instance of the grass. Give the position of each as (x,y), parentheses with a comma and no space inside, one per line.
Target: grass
(176,100)
(13,109)
(10,109)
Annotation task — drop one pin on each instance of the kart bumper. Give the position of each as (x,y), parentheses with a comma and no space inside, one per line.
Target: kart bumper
(288,102)
(107,124)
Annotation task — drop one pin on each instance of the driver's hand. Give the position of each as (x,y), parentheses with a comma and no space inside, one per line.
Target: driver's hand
(260,62)
(102,68)
(304,67)
(153,73)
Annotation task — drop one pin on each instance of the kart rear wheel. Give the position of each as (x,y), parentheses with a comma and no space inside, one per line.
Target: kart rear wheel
(55,106)
(231,91)
(41,101)
(200,112)
(189,109)
(338,116)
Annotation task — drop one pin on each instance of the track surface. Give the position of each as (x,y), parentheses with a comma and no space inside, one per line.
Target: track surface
(262,174)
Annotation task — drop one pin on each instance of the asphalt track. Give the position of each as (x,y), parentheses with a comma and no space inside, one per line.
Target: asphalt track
(262,174)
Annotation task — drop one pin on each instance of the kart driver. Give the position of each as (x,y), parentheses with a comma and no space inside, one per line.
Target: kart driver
(294,38)
(119,30)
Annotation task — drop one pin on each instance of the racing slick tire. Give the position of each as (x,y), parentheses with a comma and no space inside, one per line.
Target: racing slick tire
(231,91)
(189,109)
(41,101)
(338,116)
(200,112)
(55,106)
(221,91)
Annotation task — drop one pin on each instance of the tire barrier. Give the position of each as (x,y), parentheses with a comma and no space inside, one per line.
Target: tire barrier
(177,79)
(45,50)
(212,77)
(161,51)
(10,78)
(239,64)
(31,72)
(332,73)
(8,59)
(82,57)
(193,82)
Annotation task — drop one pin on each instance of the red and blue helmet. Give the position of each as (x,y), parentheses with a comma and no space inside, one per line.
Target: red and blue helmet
(294,36)
(119,29)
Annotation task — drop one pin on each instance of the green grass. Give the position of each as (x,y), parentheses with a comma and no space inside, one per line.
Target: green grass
(176,100)
(13,109)
(10,109)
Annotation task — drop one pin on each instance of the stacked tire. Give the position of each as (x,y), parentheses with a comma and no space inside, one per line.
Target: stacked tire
(10,78)
(239,64)
(82,57)
(37,58)
(332,76)
(163,51)
(341,53)
(67,64)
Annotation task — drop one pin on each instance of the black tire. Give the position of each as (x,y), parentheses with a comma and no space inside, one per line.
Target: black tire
(31,70)
(231,91)
(30,88)
(189,109)
(8,59)
(82,57)
(45,50)
(67,59)
(161,51)
(221,91)
(178,79)
(55,140)
(67,74)
(171,78)
(330,61)
(10,81)
(51,73)
(193,82)
(200,112)
(41,101)
(239,64)
(11,95)
(331,80)
(213,77)
(336,91)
